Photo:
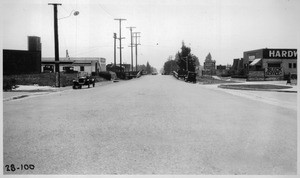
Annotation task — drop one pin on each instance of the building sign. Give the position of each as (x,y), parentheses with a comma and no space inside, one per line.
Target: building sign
(251,58)
(280,53)
(274,71)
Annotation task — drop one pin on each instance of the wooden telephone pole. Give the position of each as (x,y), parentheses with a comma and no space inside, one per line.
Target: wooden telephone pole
(115,37)
(131,45)
(56,45)
(120,38)
(136,35)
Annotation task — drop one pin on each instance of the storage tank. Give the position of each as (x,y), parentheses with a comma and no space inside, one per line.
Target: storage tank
(34,43)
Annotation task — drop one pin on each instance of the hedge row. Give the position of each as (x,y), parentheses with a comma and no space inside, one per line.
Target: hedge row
(42,79)
(47,79)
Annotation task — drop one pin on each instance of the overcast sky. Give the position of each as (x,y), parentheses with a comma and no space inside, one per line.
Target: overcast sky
(225,28)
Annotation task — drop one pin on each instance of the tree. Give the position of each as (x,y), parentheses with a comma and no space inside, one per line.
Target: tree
(170,66)
(195,58)
(185,60)
(148,68)
(141,67)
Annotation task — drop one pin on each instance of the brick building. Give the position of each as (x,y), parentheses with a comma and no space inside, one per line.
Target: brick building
(23,61)
(270,64)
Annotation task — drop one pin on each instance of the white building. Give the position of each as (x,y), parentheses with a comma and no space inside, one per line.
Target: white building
(87,65)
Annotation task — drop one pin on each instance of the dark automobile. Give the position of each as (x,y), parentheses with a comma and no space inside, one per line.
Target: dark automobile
(191,77)
(83,81)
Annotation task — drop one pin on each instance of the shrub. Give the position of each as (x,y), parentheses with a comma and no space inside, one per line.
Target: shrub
(42,79)
(225,75)
(239,76)
(105,75)
(8,83)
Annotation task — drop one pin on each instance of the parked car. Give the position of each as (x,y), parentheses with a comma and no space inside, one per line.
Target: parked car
(83,81)
(191,77)
(154,73)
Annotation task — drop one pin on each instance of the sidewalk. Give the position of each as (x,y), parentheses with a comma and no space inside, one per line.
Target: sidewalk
(286,98)
(30,90)
(33,90)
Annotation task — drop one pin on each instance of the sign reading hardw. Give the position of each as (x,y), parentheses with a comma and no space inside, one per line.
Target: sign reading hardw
(280,53)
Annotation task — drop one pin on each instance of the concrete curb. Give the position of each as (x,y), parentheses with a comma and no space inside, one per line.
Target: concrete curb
(34,91)
(25,95)
(253,89)
(15,97)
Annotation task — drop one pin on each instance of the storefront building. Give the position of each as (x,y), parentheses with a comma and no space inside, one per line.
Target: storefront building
(270,64)
(76,64)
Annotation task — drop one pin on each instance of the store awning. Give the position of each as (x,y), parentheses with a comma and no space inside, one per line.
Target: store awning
(255,62)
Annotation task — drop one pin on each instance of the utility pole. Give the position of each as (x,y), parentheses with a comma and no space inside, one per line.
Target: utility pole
(115,37)
(120,38)
(136,35)
(186,61)
(131,45)
(56,45)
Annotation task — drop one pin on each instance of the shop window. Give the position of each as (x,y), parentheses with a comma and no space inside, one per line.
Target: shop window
(274,64)
(48,68)
(290,65)
(258,67)
(81,68)
(295,65)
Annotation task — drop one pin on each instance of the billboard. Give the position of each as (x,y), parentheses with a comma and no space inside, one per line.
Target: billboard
(280,53)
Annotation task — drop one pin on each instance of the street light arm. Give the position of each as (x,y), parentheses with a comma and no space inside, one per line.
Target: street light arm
(75,14)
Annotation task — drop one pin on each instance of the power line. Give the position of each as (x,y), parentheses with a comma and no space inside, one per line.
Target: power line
(64,9)
(105,10)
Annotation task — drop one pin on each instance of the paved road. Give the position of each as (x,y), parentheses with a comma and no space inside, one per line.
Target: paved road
(150,125)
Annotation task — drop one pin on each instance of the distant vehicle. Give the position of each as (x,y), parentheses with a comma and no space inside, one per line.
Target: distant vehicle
(86,80)
(191,77)
(154,73)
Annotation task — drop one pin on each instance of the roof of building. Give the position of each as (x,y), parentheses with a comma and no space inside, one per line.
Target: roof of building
(60,61)
(72,59)
(261,49)
(84,61)
(75,60)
